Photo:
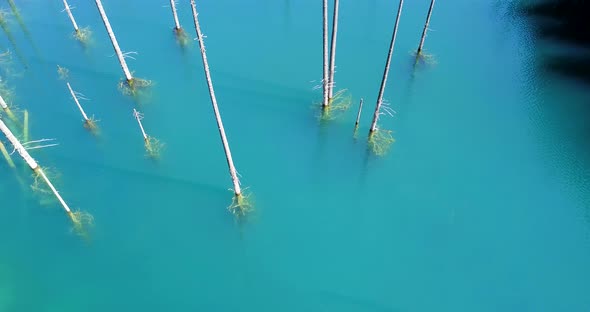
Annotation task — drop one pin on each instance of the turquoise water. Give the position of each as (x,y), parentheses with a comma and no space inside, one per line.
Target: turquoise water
(480,205)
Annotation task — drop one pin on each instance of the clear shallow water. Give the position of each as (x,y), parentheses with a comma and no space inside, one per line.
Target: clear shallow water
(481,204)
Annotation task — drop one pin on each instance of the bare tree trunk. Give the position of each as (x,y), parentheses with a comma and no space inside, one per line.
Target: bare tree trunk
(386,71)
(358,115)
(78,103)
(425,28)
(230,162)
(176,23)
(120,56)
(32,163)
(3,103)
(138,118)
(71,15)
(6,109)
(326,81)
(333,50)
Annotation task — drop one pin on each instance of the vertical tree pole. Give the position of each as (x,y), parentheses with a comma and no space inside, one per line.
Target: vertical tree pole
(358,115)
(71,16)
(425,28)
(386,71)
(176,23)
(26,125)
(333,50)
(120,56)
(230,162)
(326,81)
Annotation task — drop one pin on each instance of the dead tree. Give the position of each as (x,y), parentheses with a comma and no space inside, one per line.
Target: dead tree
(326,81)
(333,50)
(118,51)
(386,71)
(232,169)
(425,28)
(69,11)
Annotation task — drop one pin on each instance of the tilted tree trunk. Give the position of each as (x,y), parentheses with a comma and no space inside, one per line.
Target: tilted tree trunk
(71,15)
(176,23)
(6,155)
(3,103)
(386,71)
(326,81)
(78,103)
(425,28)
(232,170)
(333,50)
(32,164)
(138,118)
(120,55)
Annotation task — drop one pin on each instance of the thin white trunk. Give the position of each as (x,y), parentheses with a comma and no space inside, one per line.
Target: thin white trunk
(425,28)
(333,50)
(120,56)
(55,192)
(19,147)
(32,163)
(358,115)
(326,81)
(230,162)
(71,15)
(77,102)
(173,6)
(138,118)
(3,103)
(386,71)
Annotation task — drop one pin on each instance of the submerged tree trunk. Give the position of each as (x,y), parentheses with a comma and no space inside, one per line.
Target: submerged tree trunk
(425,28)
(230,162)
(6,155)
(326,81)
(71,15)
(120,55)
(333,50)
(26,125)
(32,164)
(176,23)
(386,71)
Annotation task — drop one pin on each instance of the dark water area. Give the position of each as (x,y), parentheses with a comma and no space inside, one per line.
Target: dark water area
(565,23)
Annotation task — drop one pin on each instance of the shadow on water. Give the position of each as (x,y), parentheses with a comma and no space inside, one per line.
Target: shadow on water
(564,22)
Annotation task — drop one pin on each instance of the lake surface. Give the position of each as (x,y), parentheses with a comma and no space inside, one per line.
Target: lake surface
(481,204)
